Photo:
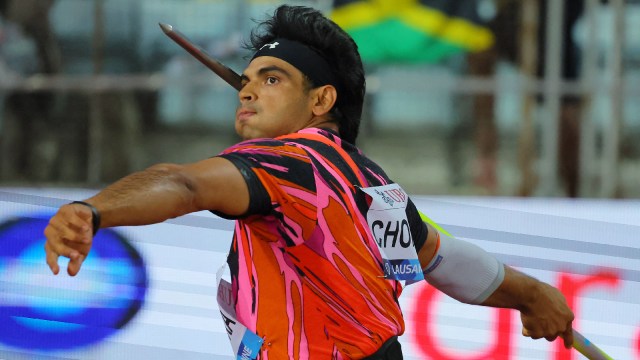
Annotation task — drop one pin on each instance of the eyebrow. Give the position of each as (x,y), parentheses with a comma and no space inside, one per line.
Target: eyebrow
(267,69)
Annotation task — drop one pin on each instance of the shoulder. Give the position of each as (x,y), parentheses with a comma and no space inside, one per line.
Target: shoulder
(265,145)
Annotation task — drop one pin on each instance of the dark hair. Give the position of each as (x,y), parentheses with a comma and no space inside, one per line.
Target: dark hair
(312,28)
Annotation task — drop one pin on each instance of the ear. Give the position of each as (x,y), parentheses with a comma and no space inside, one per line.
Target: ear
(324,97)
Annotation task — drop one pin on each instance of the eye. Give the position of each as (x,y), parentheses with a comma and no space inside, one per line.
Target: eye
(271,80)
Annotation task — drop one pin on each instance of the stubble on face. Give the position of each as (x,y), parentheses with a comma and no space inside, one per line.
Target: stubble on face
(275,100)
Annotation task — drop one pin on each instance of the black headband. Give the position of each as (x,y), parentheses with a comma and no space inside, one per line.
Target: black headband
(303,58)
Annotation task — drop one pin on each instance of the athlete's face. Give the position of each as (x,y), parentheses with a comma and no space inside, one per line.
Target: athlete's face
(274,100)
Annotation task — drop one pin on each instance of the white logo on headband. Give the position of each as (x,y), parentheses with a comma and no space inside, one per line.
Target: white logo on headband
(271,46)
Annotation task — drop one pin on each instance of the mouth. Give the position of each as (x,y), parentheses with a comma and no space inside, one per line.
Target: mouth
(243,115)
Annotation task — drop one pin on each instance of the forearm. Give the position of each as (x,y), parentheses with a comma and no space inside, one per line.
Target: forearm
(517,291)
(146,197)
(471,275)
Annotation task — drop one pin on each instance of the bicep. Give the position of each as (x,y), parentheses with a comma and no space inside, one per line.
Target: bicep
(218,185)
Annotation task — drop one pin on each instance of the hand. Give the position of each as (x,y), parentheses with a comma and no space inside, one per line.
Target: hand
(548,316)
(69,234)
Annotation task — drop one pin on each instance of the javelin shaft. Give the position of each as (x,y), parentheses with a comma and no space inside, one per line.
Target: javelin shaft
(587,348)
(228,75)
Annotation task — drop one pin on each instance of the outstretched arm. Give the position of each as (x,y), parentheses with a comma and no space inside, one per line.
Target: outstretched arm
(151,196)
(469,274)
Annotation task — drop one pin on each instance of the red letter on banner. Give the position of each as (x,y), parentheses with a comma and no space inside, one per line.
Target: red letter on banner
(571,286)
(425,331)
(638,344)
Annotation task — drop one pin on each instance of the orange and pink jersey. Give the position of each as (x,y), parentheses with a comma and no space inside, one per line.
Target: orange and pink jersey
(305,269)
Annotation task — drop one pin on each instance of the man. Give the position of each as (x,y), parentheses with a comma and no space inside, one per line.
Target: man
(307,260)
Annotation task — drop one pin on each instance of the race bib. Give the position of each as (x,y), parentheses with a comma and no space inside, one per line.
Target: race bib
(244,342)
(387,219)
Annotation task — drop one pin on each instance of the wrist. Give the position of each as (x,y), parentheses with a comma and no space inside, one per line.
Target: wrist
(95,215)
(531,295)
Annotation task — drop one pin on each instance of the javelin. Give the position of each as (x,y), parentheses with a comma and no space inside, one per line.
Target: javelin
(228,75)
(580,343)
(587,348)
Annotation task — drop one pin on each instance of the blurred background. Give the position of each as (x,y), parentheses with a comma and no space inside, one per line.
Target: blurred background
(466,97)
(493,114)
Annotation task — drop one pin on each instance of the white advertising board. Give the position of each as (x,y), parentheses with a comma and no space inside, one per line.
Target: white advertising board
(149,292)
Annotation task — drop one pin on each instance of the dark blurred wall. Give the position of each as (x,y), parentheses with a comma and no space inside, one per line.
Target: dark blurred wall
(29,148)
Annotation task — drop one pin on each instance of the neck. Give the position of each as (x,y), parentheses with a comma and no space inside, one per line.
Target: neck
(323,123)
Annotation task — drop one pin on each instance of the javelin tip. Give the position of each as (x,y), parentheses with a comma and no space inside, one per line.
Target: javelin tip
(166,27)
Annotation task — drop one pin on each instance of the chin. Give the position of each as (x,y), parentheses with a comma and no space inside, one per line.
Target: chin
(246,135)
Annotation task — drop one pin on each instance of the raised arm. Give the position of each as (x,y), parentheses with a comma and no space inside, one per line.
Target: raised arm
(151,196)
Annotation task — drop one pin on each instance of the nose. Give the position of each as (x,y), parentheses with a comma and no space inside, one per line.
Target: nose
(246,93)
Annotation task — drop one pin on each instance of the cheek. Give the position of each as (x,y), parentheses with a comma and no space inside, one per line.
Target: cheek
(278,110)
(282,111)
(295,108)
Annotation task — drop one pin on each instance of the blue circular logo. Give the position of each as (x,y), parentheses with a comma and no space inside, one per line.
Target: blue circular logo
(40,311)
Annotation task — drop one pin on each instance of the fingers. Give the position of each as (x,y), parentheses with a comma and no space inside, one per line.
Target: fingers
(552,318)
(52,259)
(567,337)
(74,265)
(58,244)
(75,260)
(535,335)
(62,232)
(68,234)
(72,225)
(55,250)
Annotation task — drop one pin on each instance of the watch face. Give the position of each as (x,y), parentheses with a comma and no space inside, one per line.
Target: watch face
(40,311)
